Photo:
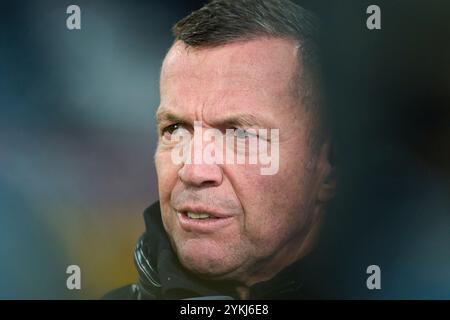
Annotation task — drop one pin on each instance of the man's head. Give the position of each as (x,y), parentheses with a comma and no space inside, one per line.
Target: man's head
(243,65)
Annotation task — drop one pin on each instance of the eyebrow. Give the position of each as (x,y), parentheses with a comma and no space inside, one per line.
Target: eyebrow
(167,116)
(235,120)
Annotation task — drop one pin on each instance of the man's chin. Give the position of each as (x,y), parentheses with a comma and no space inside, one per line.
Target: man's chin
(206,259)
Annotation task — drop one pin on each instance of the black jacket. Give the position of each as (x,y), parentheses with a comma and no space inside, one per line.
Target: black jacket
(161,276)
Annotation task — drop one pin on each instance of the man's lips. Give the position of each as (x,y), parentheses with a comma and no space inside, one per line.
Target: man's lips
(202,219)
(204,210)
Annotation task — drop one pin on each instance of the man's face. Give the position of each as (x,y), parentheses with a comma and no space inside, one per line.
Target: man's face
(256,221)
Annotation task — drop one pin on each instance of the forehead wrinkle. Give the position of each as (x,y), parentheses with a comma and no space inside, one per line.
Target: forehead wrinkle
(238,120)
(191,62)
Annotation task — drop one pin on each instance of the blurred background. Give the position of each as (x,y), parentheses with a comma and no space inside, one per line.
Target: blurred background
(77,136)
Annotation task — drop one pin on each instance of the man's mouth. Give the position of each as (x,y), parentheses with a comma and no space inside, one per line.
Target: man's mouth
(200,215)
(194,215)
(201,221)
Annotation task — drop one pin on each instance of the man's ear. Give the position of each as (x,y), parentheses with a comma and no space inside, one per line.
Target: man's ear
(327,173)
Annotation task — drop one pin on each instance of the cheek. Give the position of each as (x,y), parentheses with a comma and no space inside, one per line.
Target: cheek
(167,173)
(274,205)
(268,202)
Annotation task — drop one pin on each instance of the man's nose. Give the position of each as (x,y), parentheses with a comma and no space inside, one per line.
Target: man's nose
(196,172)
(201,175)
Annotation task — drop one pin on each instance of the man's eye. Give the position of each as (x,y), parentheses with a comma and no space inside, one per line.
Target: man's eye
(243,134)
(167,132)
